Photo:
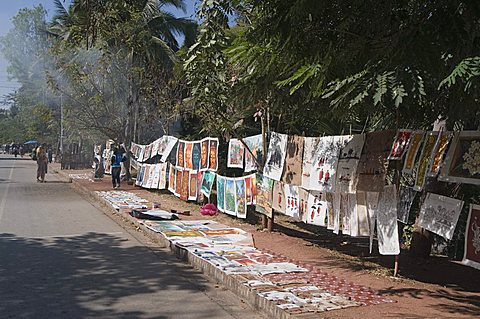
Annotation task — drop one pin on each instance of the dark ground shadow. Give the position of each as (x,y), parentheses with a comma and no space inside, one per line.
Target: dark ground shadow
(86,276)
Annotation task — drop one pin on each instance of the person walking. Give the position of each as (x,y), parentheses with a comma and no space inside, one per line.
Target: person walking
(117,158)
(41,163)
(50,154)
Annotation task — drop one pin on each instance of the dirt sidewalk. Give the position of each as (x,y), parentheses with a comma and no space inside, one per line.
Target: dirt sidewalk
(430,288)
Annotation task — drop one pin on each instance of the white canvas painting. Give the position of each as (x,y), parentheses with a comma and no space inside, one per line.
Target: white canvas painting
(439,214)
(165,146)
(387,228)
(372,206)
(310,147)
(317,208)
(276,156)
(292,201)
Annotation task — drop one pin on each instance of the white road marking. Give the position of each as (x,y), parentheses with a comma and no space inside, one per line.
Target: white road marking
(5,193)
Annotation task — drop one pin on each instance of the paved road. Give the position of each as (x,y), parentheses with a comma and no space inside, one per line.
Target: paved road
(60,257)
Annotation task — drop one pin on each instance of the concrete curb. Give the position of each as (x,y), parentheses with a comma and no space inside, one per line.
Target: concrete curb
(232,283)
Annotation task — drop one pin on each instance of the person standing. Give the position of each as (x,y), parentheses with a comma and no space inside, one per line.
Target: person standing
(50,154)
(41,163)
(117,158)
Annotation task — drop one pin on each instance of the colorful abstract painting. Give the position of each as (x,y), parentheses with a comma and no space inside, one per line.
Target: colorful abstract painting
(400,144)
(471,255)
(240,198)
(213,154)
(204,154)
(192,189)
(254,153)
(424,160)
(387,228)
(347,164)
(264,195)
(439,214)
(276,156)
(413,146)
(293,161)
(207,183)
(221,193)
(230,203)
(236,153)
(462,163)
(373,163)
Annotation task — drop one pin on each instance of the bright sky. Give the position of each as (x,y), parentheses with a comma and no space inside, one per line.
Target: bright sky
(9,8)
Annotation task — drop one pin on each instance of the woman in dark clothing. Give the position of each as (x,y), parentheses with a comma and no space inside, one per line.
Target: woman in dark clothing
(117,158)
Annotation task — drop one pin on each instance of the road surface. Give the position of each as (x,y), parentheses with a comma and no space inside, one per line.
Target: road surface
(60,257)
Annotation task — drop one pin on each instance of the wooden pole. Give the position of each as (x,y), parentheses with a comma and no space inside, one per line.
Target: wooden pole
(264,140)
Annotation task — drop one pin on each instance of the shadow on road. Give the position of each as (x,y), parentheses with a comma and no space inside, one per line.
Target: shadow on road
(91,275)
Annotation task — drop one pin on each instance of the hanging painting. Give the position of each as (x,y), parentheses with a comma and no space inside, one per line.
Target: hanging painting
(373,163)
(345,214)
(155,176)
(230,204)
(471,255)
(424,160)
(254,188)
(331,198)
(171,178)
(236,152)
(146,175)
(178,181)
(264,195)
(310,146)
(166,146)
(316,210)
(140,174)
(302,202)
(196,154)
(337,212)
(221,193)
(387,228)
(155,146)
(204,154)
(185,185)
(188,155)
(213,154)
(207,183)
(147,153)
(293,161)
(279,202)
(248,189)
(462,163)
(438,153)
(162,181)
(413,146)
(192,189)
(240,198)
(255,155)
(292,200)
(439,214)
(400,144)
(347,163)
(372,205)
(362,214)
(406,196)
(200,195)
(352,211)
(181,154)
(276,156)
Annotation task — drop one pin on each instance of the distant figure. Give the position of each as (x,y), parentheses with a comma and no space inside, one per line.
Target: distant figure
(15,151)
(42,162)
(20,150)
(50,154)
(117,158)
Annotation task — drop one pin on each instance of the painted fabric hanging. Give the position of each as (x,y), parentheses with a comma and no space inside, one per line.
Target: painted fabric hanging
(264,195)
(276,156)
(250,197)
(424,160)
(240,198)
(413,146)
(438,153)
(471,255)
(323,176)
(373,163)
(230,203)
(372,206)
(188,155)
(213,154)
(155,176)
(387,228)
(162,181)
(292,200)
(400,144)
(146,175)
(193,184)
(165,147)
(147,153)
(293,163)
(204,154)
(406,197)
(302,202)
(181,154)
(236,153)
(317,208)
(207,183)
(185,185)
(155,146)
(337,212)
(279,202)
(196,155)
(221,193)
(171,178)
(255,144)
(310,146)
(334,201)
(200,195)
(439,214)
(347,163)
(462,163)
(178,181)
(362,214)
(140,174)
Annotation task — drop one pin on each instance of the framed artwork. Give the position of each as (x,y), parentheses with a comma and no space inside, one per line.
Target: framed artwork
(439,214)
(276,156)
(236,153)
(293,161)
(264,195)
(462,163)
(471,255)
(400,144)
(414,144)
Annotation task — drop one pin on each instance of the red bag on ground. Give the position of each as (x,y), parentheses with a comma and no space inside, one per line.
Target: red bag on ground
(208,210)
